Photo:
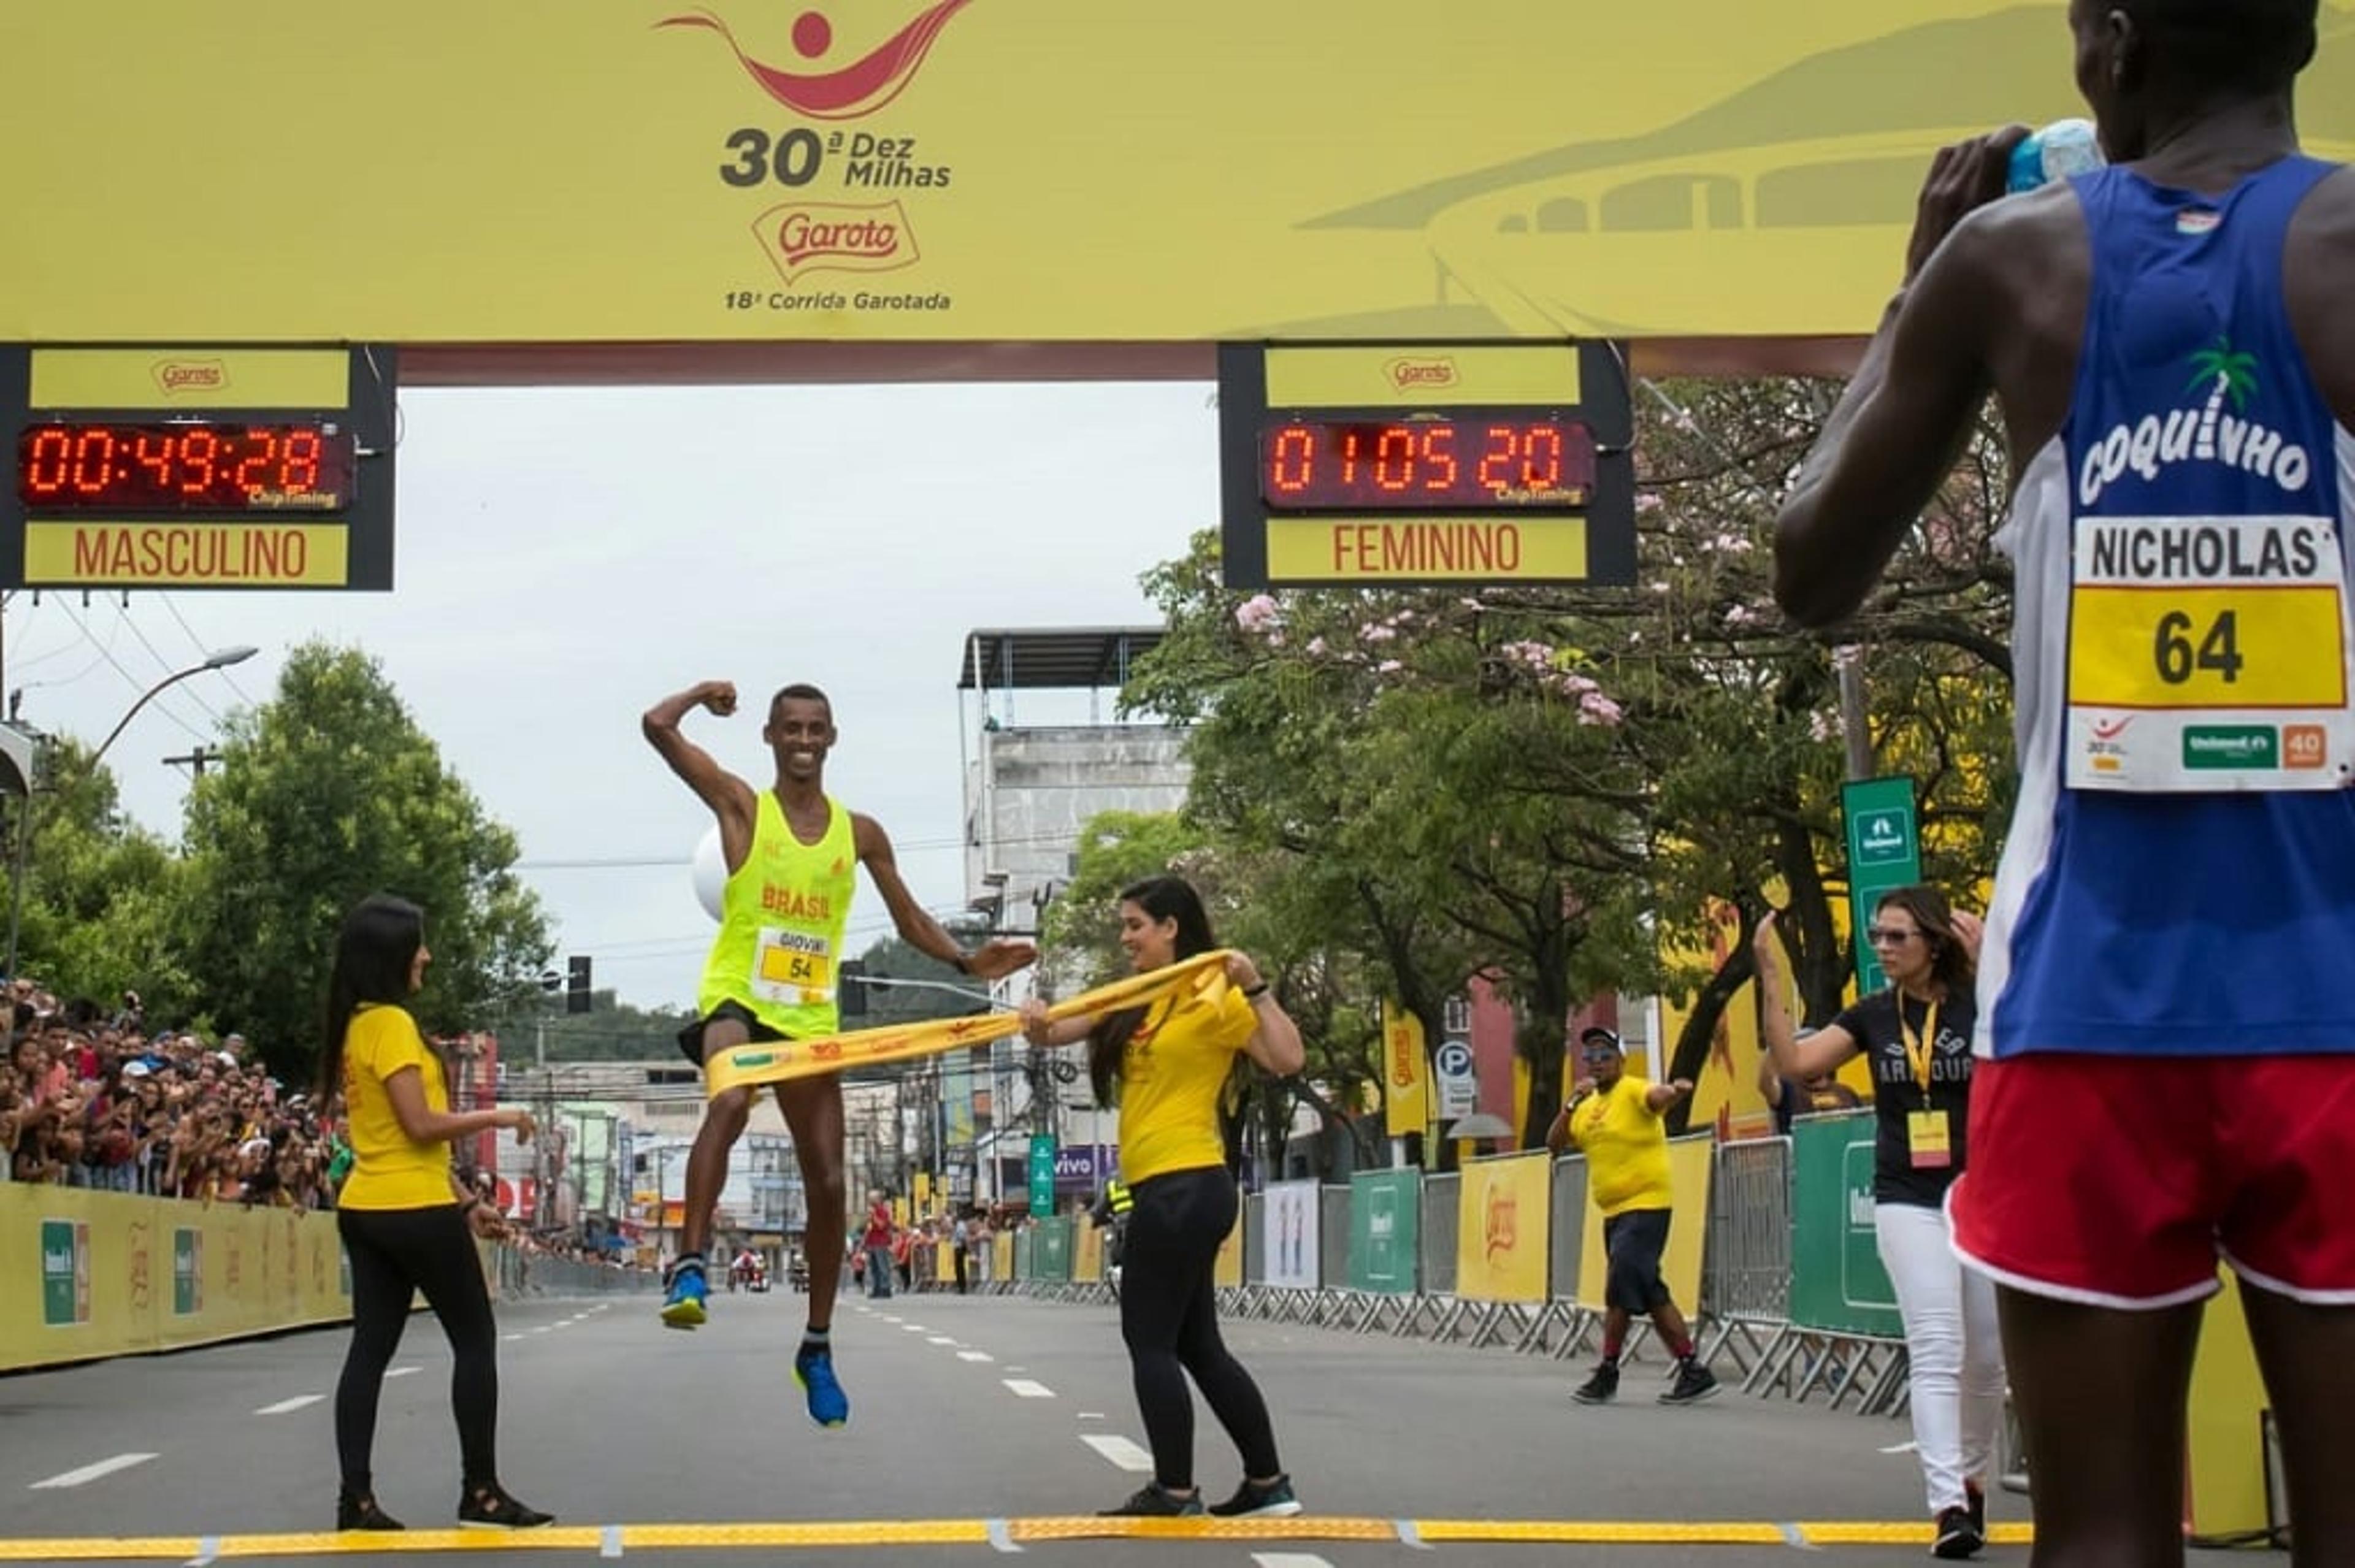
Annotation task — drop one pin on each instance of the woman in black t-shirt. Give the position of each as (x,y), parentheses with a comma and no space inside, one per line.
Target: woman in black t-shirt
(1915,1037)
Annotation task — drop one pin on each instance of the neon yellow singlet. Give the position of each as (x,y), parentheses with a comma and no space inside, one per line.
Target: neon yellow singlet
(782,918)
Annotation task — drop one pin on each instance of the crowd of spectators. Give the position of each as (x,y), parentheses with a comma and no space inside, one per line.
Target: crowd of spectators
(89,1097)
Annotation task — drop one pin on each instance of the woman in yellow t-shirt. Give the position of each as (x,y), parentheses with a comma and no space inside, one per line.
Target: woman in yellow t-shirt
(1166,1065)
(406,1223)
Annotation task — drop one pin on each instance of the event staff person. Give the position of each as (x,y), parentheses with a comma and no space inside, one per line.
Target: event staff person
(406,1222)
(790,850)
(1915,1036)
(2167,1032)
(1167,1066)
(1615,1118)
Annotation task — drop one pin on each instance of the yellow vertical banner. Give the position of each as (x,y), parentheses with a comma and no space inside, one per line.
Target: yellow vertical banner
(1229,1269)
(1087,1253)
(1690,1164)
(1500,1228)
(923,1192)
(1406,1079)
(900,1211)
(1001,1262)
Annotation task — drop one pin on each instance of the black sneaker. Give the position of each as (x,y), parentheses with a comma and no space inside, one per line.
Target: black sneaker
(361,1513)
(1253,1500)
(1957,1536)
(1600,1389)
(1151,1501)
(490,1508)
(1977,1496)
(1694,1383)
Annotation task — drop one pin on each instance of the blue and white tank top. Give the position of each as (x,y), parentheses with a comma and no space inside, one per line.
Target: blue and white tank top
(2180,878)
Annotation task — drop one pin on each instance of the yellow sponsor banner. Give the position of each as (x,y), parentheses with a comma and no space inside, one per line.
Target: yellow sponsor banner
(1453,376)
(923,1192)
(944,1261)
(1485,549)
(1406,1071)
(104,1274)
(187,555)
(1228,1270)
(309,381)
(1001,1262)
(652,171)
(778,1062)
(1690,1165)
(1502,1205)
(1087,1253)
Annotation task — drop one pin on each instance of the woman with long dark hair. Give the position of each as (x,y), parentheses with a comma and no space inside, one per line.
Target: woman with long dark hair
(406,1222)
(1916,1036)
(1167,1066)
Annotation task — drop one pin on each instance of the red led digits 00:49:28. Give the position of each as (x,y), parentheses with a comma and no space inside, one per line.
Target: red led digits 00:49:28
(184,467)
(1425,464)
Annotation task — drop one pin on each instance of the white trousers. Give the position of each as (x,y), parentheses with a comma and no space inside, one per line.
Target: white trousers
(1953,1352)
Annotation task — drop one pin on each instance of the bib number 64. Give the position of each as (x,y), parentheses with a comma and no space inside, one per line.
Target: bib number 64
(2217,651)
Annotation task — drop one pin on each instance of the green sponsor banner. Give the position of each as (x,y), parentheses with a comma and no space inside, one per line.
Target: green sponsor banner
(64,1272)
(1884,851)
(1051,1251)
(1384,1208)
(1043,1174)
(1837,1281)
(187,1271)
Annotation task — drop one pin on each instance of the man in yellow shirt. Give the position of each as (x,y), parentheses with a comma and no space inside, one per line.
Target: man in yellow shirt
(1613,1117)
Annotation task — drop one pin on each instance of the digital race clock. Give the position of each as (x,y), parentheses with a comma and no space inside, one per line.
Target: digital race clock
(185,467)
(1400,465)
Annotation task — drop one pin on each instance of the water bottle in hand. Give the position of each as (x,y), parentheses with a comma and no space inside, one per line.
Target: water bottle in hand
(2062,149)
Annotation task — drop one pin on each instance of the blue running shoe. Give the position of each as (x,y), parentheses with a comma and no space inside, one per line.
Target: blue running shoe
(814,1369)
(683,1307)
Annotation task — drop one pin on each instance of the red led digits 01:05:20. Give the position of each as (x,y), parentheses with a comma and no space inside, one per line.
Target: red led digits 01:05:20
(182,467)
(1425,464)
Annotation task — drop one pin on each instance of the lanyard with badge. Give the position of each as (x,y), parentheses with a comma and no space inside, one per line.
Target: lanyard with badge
(1928,1138)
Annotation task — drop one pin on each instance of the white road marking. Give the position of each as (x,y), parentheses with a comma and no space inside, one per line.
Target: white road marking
(510,1338)
(1023,1388)
(91,1472)
(1289,1560)
(542,1328)
(403,1372)
(283,1405)
(940,1339)
(914,1328)
(889,1318)
(975,1356)
(1128,1456)
(1018,1369)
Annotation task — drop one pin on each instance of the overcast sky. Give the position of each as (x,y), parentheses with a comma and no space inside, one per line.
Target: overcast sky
(566,557)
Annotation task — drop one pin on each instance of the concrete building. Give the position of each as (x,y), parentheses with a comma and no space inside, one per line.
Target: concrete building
(1030,788)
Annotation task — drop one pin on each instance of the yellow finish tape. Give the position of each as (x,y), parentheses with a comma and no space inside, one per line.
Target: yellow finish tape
(958,1532)
(779,1061)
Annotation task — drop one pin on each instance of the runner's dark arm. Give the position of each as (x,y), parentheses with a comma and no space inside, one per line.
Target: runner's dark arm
(1894,435)
(998,957)
(730,798)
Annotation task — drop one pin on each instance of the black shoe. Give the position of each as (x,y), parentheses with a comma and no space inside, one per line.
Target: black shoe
(1253,1500)
(1600,1389)
(490,1508)
(361,1513)
(1694,1383)
(1957,1537)
(1977,1495)
(1151,1501)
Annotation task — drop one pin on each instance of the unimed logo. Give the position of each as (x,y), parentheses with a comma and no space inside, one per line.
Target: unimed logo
(64,1272)
(2231,746)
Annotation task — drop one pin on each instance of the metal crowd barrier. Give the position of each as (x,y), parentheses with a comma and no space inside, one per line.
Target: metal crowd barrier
(1384,1260)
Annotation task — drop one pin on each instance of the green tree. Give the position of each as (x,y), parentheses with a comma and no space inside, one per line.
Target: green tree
(101,894)
(327,792)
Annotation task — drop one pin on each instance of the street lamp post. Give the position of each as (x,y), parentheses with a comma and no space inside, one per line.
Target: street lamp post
(221,658)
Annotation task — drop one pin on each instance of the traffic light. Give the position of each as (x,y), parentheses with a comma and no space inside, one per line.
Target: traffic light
(853,1000)
(576,983)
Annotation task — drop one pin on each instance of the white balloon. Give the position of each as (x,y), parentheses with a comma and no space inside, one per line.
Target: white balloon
(711,872)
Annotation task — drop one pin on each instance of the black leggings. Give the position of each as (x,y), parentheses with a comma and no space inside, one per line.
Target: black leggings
(395,1254)
(1168,1316)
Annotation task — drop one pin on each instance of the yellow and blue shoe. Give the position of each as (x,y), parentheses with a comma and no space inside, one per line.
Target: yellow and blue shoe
(814,1369)
(682,1301)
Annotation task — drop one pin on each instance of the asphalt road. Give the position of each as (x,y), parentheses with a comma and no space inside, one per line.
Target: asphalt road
(988,1413)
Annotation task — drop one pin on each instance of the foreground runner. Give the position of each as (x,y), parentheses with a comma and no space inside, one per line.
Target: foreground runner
(2163,979)
(789,851)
